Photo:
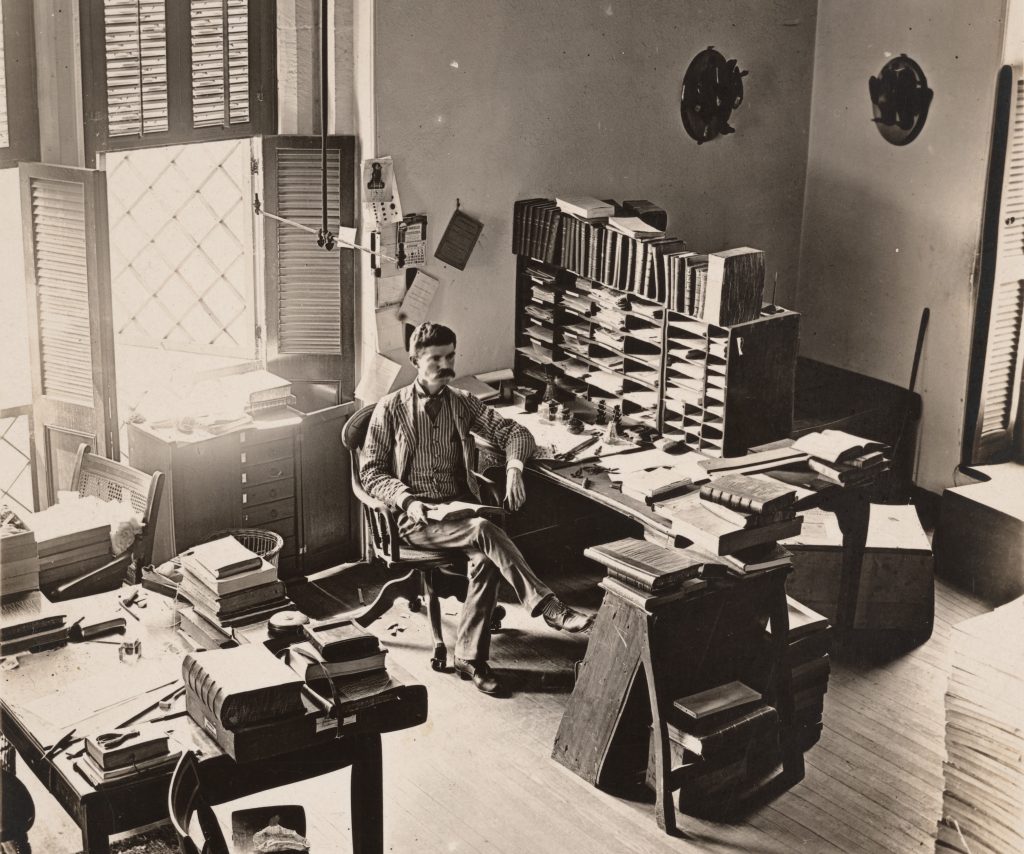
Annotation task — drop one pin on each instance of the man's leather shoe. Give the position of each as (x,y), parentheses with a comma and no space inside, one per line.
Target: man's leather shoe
(560,616)
(480,672)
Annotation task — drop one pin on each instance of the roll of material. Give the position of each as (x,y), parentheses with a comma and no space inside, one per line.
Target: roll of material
(286,624)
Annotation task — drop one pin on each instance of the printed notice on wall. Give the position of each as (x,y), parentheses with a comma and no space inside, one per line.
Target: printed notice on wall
(458,240)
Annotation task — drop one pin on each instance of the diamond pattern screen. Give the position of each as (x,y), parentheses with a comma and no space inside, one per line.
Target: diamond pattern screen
(181,247)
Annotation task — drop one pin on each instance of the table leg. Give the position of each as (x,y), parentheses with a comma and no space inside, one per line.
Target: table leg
(92,820)
(367,799)
(852,513)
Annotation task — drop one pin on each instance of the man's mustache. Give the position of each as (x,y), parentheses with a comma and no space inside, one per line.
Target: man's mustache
(445,372)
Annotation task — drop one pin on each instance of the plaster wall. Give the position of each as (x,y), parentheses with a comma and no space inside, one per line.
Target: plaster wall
(490,101)
(890,230)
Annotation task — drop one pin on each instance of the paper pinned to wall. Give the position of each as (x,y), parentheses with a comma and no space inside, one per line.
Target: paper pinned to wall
(379,374)
(389,291)
(418,299)
(390,331)
(379,191)
(458,240)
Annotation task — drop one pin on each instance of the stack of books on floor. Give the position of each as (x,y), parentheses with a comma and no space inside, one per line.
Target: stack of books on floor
(637,567)
(29,622)
(983,801)
(335,651)
(228,586)
(19,557)
(734,512)
(842,458)
(718,737)
(810,639)
(131,752)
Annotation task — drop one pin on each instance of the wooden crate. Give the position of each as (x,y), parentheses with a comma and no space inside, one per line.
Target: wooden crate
(897,577)
(817,563)
(19,563)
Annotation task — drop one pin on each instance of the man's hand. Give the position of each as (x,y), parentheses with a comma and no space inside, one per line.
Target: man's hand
(515,489)
(417,511)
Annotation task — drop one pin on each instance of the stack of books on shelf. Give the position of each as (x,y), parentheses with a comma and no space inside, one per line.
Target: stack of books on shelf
(637,566)
(734,513)
(29,622)
(229,585)
(335,651)
(130,752)
(810,640)
(840,457)
(983,801)
(537,229)
(19,557)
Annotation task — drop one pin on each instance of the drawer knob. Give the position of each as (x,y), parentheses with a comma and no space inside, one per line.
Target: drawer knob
(273,514)
(273,493)
(278,472)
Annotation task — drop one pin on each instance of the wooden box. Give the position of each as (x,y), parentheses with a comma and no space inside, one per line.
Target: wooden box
(817,563)
(897,578)
(19,563)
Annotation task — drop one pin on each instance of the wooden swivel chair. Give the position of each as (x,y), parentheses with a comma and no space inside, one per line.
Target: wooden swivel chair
(415,573)
(112,481)
(185,799)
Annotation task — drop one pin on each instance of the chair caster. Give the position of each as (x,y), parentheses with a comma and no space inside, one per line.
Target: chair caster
(416,604)
(497,615)
(440,660)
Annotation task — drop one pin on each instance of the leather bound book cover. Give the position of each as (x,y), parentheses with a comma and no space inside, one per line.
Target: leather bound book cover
(243,685)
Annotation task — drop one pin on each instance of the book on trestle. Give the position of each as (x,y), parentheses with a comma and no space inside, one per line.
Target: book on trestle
(452,511)
(648,566)
(221,557)
(87,767)
(127,746)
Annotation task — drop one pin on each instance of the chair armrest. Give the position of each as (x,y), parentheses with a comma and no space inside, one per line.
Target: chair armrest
(380,519)
(491,492)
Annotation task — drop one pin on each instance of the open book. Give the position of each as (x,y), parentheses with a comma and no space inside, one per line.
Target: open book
(451,511)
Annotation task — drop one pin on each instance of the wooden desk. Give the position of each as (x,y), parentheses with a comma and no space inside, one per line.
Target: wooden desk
(143,800)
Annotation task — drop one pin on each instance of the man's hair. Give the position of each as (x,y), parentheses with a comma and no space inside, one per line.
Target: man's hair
(429,335)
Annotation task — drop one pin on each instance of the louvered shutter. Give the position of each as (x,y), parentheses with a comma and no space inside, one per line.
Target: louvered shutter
(160,72)
(135,48)
(72,339)
(309,290)
(220,62)
(995,393)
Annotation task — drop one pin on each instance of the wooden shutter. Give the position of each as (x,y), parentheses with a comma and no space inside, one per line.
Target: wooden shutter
(309,290)
(220,62)
(994,392)
(19,117)
(160,72)
(67,270)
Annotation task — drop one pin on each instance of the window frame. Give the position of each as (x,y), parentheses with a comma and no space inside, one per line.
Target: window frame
(20,74)
(262,18)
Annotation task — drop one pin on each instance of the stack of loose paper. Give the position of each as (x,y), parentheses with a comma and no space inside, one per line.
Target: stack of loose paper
(983,771)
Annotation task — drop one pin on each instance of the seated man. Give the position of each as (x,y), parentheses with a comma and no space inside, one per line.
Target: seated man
(418,452)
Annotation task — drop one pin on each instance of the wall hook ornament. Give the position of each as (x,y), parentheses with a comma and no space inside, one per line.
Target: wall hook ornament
(900,99)
(712,89)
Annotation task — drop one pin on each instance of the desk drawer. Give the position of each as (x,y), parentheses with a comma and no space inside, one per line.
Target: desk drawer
(267,492)
(277,450)
(268,472)
(276,510)
(271,434)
